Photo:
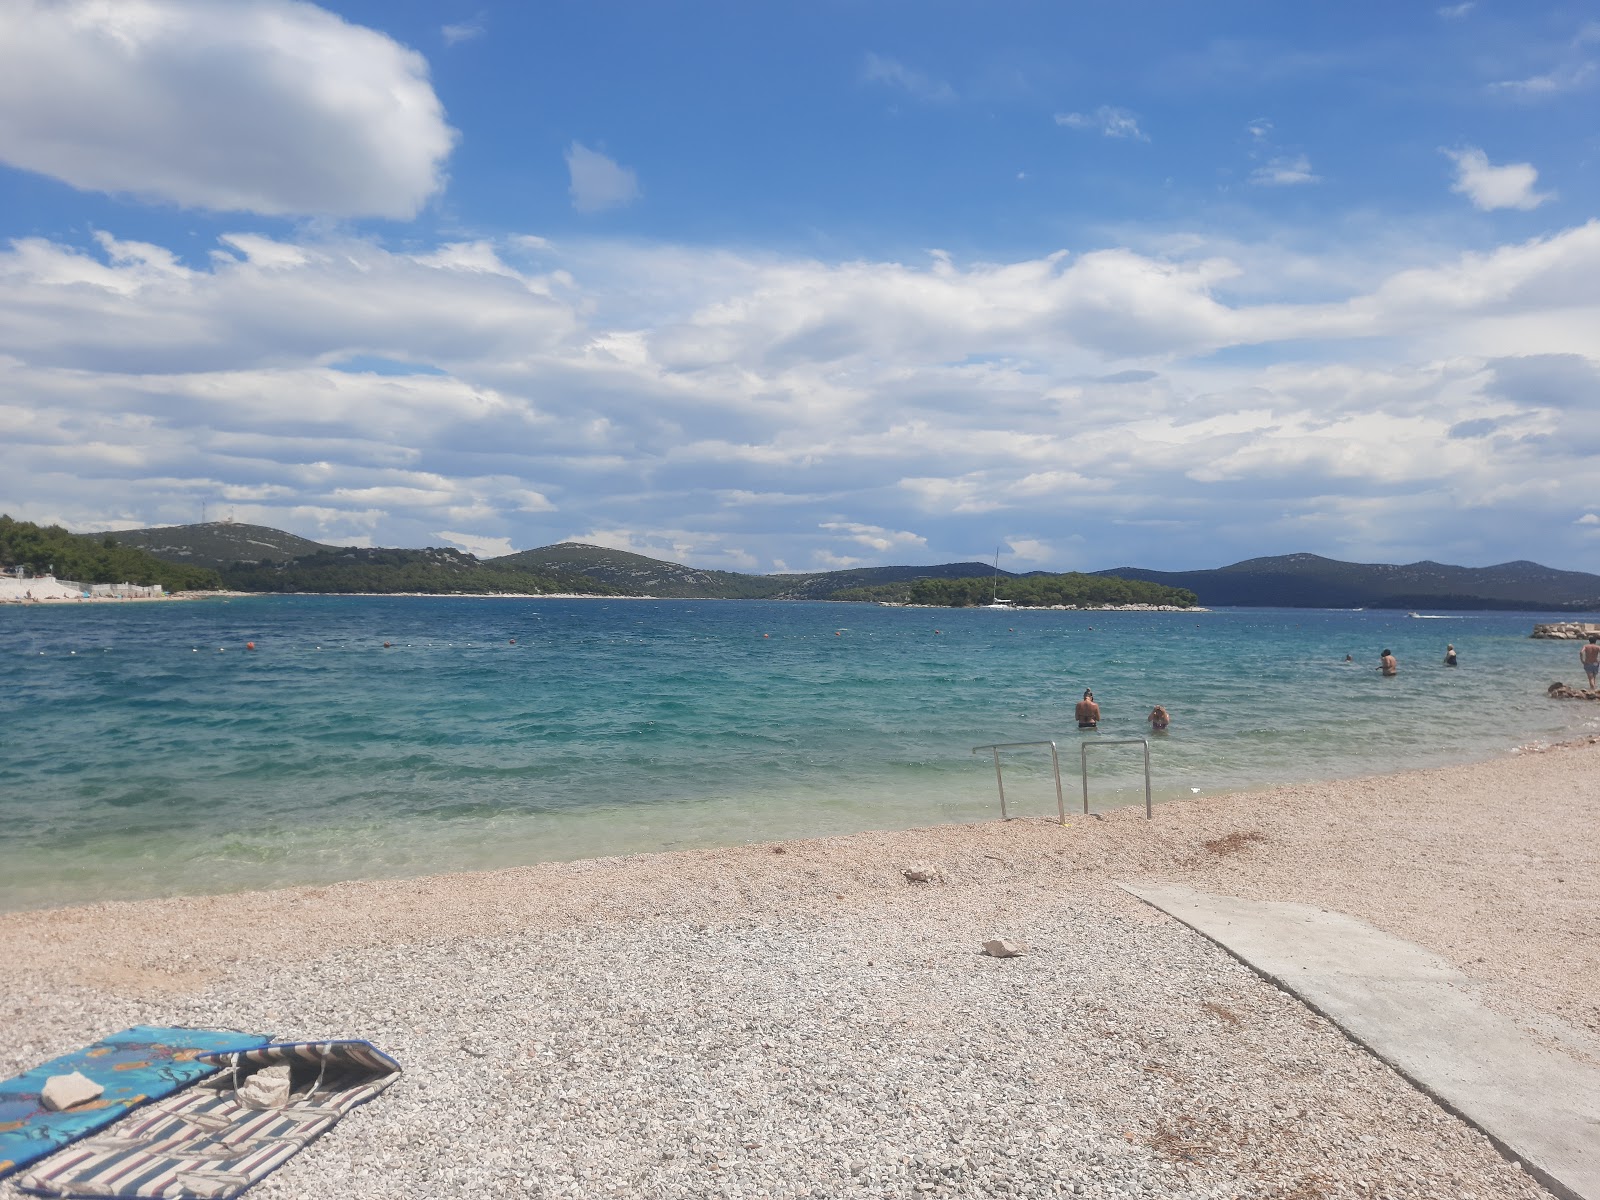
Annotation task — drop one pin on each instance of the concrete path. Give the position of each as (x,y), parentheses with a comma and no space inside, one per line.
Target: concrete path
(1422,1017)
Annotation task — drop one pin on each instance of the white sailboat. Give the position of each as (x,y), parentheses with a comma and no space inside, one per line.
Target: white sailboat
(994,599)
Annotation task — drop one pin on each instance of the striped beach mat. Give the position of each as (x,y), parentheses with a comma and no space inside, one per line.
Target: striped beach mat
(212,1141)
(143,1063)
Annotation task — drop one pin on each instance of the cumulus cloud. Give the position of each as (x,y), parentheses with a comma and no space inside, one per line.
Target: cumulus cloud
(479,544)
(1109,121)
(1588,519)
(265,106)
(597,182)
(875,537)
(1490,187)
(1285,172)
(751,409)
(890,72)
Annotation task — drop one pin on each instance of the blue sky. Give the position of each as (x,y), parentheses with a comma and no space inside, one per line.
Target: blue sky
(780,287)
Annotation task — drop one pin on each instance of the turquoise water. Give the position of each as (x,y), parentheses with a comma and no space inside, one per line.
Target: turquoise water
(140,759)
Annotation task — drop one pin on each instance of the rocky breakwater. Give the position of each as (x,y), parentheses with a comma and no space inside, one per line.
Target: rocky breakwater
(1570,631)
(1560,691)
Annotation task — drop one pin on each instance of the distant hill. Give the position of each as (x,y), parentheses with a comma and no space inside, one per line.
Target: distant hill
(218,544)
(657,577)
(1310,581)
(93,558)
(437,571)
(256,558)
(639,575)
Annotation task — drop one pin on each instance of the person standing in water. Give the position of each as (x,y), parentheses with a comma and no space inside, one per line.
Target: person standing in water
(1159,720)
(1450,656)
(1589,656)
(1087,712)
(1387,664)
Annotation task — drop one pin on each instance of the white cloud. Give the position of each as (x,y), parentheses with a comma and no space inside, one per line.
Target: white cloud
(1490,187)
(1285,172)
(464,31)
(1569,78)
(477,543)
(1588,519)
(877,68)
(738,410)
(266,106)
(1112,122)
(1451,12)
(875,537)
(597,182)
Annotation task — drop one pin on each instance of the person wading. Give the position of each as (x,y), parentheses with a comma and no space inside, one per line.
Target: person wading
(1087,712)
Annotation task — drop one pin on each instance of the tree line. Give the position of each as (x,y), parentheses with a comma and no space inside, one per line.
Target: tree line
(380,570)
(86,558)
(1029,591)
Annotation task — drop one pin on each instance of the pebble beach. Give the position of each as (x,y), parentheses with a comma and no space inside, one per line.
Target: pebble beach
(797,1019)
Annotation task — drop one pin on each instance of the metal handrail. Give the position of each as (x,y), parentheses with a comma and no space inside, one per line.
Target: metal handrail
(1083,754)
(1055,766)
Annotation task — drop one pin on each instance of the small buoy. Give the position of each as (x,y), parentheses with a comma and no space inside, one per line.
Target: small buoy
(222,649)
(766,635)
(196,650)
(71,651)
(838,633)
(249,645)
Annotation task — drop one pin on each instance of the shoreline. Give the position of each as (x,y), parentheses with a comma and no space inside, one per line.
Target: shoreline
(797,1017)
(1455,805)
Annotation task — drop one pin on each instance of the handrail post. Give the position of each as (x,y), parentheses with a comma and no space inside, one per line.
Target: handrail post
(1000,783)
(999,778)
(1083,768)
(1055,767)
(1083,764)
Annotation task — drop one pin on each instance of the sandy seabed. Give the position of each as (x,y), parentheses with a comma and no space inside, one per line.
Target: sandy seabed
(797,1019)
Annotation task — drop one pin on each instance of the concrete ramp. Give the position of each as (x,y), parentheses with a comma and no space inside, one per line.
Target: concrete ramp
(1422,1017)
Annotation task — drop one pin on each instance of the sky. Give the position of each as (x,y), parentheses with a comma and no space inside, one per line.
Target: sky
(799,286)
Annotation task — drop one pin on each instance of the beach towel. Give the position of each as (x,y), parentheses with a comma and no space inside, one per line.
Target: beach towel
(211,1142)
(136,1065)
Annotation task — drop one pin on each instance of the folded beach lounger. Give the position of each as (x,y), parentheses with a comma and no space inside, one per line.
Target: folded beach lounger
(136,1065)
(214,1140)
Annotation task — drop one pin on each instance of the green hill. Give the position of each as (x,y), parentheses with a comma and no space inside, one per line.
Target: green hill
(218,544)
(437,570)
(91,558)
(1311,581)
(656,577)
(636,574)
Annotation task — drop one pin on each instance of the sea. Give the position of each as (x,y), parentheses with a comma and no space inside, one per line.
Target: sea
(146,751)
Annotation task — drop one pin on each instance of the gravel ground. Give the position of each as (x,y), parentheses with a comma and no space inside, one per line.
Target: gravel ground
(801,1021)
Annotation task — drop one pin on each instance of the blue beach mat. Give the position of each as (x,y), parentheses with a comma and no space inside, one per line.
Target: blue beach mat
(216,1139)
(136,1065)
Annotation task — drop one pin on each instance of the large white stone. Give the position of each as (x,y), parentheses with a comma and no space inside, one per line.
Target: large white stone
(62,1092)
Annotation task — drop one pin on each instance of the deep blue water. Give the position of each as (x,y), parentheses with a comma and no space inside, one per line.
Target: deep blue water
(146,752)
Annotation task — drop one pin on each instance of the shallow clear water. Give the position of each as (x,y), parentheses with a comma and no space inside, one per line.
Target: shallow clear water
(139,760)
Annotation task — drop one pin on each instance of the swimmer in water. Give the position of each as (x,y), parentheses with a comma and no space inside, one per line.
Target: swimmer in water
(1087,711)
(1349,658)
(1159,720)
(1450,657)
(1387,665)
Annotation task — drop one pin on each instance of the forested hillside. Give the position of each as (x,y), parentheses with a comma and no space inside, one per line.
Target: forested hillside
(354,569)
(88,558)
